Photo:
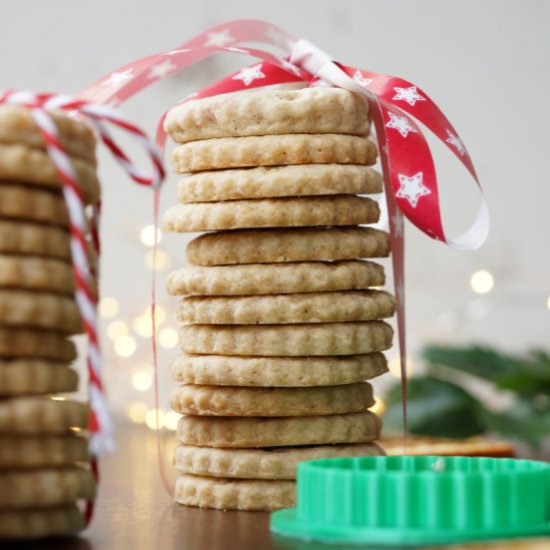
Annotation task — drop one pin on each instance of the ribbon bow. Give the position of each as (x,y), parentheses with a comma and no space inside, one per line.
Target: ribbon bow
(40,105)
(396,104)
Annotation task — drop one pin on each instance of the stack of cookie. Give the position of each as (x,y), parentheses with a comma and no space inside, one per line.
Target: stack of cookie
(42,458)
(280,326)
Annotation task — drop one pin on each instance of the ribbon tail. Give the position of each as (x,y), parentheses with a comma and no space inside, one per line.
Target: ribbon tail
(397,240)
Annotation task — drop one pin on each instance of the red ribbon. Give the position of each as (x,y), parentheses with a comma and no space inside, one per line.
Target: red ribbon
(396,105)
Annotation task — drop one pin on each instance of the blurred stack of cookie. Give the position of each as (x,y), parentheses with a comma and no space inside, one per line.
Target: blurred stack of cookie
(281,327)
(43,471)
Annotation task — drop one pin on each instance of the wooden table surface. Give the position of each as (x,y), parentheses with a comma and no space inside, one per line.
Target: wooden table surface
(134,512)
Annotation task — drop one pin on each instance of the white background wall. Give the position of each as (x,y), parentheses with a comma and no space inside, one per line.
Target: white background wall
(484,62)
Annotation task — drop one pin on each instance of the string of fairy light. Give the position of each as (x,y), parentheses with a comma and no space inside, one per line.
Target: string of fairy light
(124,337)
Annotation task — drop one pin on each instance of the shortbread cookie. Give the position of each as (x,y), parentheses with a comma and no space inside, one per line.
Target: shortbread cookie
(240,152)
(17,125)
(26,203)
(264,112)
(17,452)
(285,212)
(225,370)
(20,163)
(234,494)
(34,239)
(45,487)
(279,181)
(20,308)
(36,274)
(288,340)
(23,342)
(235,401)
(287,245)
(41,415)
(210,431)
(283,278)
(36,376)
(270,463)
(39,523)
(276,309)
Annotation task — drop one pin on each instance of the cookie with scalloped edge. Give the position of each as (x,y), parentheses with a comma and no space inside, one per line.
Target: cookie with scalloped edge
(265,279)
(32,239)
(234,494)
(45,487)
(274,150)
(252,246)
(22,308)
(256,401)
(41,415)
(23,164)
(228,370)
(42,522)
(36,273)
(243,433)
(268,463)
(17,126)
(262,182)
(284,212)
(27,203)
(267,112)
(36,451)
(287,340)
(280,309)
(36,377)
(28,342)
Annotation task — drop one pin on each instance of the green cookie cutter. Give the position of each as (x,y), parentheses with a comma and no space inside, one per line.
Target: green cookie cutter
(417,500)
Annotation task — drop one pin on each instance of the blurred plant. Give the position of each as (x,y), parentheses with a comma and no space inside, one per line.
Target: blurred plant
(441,403)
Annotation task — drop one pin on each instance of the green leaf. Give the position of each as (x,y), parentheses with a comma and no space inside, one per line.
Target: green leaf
(521,422)
(434,408)
(479,361)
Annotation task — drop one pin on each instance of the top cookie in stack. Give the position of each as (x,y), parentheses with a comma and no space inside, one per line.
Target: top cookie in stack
(42,472)
(280,326)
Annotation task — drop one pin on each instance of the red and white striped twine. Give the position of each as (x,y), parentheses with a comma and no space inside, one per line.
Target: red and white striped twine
(101,428)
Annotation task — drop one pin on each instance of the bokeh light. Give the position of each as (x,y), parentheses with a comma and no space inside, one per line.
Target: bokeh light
(125,346)
(108,307)
(482,281)
(171,420)
(168,338)
(137,412)
(147,235)
(151,418)
(379,406)
(142,380)
(394,366)
(116,329)
(164,261)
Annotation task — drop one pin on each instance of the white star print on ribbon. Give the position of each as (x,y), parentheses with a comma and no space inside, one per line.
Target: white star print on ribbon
(161,70)
(410,95)
(116,80)
(220,38)
(401,124)
(361,80)
(250,74)
(412,188)
(455,142)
